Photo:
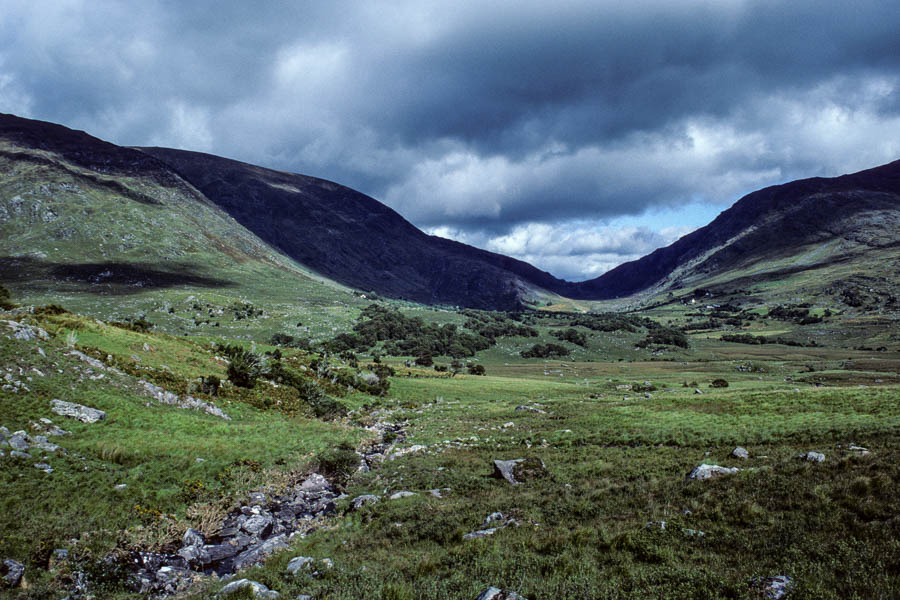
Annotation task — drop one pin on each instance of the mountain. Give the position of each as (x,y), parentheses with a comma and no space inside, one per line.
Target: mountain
(75,208)
(808,223)
(76,211)
(354,239)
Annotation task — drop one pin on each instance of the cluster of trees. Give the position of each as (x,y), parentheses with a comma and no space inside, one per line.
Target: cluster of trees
(412,336)
(5,302)
(571,335)
(245,310)
(798,314)
(545,351)
(746,338)
(661,335)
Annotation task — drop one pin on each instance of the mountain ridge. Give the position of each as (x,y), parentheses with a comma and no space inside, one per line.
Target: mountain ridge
(354,240)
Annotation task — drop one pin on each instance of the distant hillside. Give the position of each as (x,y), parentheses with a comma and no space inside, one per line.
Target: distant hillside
(840,217)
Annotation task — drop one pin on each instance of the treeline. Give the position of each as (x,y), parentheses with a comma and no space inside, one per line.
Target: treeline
(746,338)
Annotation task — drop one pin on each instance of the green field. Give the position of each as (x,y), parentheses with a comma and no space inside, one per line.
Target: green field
(617,459)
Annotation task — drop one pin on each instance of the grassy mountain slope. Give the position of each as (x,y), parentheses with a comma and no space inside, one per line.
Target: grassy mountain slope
(822,220)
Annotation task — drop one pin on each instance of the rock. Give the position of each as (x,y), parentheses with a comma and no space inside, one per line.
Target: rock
(480,533)
(773,588)
(258,525)
(503,469)
(254,554)
(19,441)
(363,500)
(493,517)
(858,449)
(404,451)
(522,408)
(257,498)
(192,537)
(13,571)
(740,453)
(166,397)
(705,471)
(692,532)
(493,593)
(315,483)
(698,391)
(661,525)
(259,590)
(20,454)
(813,457)
(44,467)
(26,333)
(303,597)
(401,494)
(77,411)
(299,563)
(517,470)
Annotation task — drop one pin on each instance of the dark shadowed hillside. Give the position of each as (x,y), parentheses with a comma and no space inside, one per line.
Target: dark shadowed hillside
(354,239)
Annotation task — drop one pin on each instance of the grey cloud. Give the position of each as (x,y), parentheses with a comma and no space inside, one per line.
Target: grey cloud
(473,116)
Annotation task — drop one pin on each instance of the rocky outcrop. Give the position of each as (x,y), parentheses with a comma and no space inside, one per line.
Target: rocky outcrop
(83,413)
(12,572)
(166,397)
(246,537)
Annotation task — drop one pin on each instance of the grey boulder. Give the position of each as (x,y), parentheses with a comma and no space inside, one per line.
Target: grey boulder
(84,414)
(12,572)
(258,589)
(493,593)
(711,471)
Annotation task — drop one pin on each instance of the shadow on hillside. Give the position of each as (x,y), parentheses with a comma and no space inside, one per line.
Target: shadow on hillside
(109,277)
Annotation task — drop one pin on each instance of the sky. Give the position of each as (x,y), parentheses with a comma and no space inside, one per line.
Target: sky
(574,135)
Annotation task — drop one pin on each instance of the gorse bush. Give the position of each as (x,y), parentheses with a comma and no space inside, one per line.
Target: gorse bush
(244,368)
(5,301)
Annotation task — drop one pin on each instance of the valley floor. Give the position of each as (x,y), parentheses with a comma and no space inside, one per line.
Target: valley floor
(614,516)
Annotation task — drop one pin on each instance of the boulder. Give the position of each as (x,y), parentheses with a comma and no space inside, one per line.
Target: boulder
(480,533)
(363,500)
(401,494)
(12,572)
(315,483)
(299,563)
(813,457)
(19,441)
(503,469)
(77,411)
(258,552)
(493,593)
(711,471)
(258,589)
(740,453)
(773,588)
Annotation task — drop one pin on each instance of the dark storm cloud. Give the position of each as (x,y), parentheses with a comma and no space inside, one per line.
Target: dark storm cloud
(488,121)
